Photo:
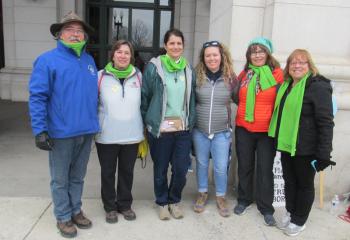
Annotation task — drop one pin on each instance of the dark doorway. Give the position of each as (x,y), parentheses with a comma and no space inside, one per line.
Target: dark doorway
(2,54)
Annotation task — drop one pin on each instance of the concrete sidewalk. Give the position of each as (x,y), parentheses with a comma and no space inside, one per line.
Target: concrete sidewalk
(31,218)
(26,209)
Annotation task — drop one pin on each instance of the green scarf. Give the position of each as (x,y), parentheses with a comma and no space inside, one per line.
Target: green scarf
(171,65)
(119,73)
(76,47)
(266,80)
(289,123)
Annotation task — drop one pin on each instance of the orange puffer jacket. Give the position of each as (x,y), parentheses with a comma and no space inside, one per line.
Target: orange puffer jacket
(264,103)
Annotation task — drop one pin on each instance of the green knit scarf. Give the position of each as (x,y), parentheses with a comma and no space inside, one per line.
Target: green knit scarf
(76,47)
(171,65)
(266,80)
(119,73)
(289,123)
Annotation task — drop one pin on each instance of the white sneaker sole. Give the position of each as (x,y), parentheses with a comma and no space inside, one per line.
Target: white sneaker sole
(297,233)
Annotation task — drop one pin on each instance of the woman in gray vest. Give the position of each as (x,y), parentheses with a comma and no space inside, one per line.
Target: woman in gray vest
(121,130)
(212,132)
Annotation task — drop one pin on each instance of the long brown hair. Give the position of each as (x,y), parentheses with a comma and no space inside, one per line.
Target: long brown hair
(270,60)
(226,65)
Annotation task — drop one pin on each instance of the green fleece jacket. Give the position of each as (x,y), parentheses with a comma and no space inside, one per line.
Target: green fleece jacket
(154,97)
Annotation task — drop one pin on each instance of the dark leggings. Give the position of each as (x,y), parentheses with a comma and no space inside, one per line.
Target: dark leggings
(113,157)
(299,189)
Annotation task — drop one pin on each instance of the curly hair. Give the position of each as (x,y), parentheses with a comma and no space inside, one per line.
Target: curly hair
(226,65)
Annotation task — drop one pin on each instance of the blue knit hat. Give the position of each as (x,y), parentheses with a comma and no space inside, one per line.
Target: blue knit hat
(263,41)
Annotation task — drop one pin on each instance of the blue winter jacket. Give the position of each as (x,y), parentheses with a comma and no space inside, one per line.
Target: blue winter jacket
(63,93)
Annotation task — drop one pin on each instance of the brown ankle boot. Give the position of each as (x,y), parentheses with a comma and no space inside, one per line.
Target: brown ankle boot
(200,202)
(81,221)
(112,217)
(67,229)
(222,206)
(129,214)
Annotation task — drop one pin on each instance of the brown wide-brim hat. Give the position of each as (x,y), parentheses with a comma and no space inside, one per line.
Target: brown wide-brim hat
(69,18)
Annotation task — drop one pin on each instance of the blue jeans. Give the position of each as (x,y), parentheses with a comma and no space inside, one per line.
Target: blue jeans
(219,147)
(68,162)
(173,148)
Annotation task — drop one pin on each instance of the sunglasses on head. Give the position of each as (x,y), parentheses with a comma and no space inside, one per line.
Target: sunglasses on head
(211,44)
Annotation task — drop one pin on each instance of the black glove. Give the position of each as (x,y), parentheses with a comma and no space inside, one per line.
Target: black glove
(320,165)
(43,141)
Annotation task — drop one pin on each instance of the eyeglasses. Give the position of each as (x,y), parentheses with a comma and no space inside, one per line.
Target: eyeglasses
(300,63)
(74,31)
(211,44)
(258,53)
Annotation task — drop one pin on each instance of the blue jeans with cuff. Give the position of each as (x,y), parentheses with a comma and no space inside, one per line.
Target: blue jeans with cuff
(170,148)
(219,147)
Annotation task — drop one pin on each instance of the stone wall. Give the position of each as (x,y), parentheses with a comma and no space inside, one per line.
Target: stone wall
(26,35)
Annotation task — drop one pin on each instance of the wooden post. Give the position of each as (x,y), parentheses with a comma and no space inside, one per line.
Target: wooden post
(321,188)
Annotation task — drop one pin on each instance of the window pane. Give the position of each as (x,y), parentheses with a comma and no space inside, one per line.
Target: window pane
(118,20)
(146,56)
(143,1)
(95,54)
(142,28)
(164,2)
(165,20)
(94,17)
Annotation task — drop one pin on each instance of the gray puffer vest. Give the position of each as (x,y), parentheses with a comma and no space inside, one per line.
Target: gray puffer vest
(213,106)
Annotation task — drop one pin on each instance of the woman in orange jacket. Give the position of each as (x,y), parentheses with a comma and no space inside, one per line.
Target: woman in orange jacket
(258,85)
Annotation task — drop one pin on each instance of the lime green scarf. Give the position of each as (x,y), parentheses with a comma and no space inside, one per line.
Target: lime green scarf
(119,73)
(171,65)
(76,47)
(289,123)
(266,80)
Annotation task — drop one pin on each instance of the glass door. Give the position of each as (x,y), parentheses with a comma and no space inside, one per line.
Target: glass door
(143,23)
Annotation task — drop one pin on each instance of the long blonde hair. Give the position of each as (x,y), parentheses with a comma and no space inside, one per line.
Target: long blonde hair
(226,65)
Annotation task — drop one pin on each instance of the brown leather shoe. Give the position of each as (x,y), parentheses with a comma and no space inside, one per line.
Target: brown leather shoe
(222,206)
(112,217)
(81,221)
(128,214)
(200,202)
(67,229)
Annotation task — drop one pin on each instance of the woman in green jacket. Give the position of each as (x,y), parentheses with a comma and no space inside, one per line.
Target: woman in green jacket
(168,112)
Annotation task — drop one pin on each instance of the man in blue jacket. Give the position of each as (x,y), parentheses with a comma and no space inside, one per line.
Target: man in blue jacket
(63,109)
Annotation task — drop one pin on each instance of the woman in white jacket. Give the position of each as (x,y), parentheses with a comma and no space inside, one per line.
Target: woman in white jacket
(121,130)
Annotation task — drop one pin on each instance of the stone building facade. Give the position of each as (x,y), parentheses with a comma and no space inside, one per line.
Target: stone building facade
(321,26)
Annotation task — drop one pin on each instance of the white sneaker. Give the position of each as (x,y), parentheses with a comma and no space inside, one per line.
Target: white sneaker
(164,213)
(293,229)
(176,210)
(285,221)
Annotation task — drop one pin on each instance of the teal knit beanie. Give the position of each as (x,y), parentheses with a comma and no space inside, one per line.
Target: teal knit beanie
(263,41)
